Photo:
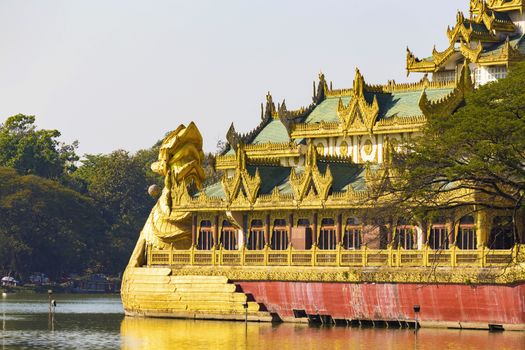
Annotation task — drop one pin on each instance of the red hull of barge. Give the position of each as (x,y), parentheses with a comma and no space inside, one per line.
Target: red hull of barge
(442,305)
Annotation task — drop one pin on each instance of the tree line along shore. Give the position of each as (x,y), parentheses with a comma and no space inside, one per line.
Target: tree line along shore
(61,214)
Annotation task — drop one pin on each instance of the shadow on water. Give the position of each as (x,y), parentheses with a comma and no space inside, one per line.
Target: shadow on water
(158,334)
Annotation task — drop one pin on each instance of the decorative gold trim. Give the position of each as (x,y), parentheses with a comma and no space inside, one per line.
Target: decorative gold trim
(460,31)
(503,5)
(322,129)
(481,12)
(358,113)
(442,57)
(339,265)
(339,92)
(471,276)
(493,24)
(424,83)
(360,118)
(393,122)
(506,55)
(301,184)
(415,64)
(438,60)
(471,54)
(250,184)
(225,162)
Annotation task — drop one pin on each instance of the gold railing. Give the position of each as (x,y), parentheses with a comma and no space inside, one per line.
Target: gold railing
(339,257)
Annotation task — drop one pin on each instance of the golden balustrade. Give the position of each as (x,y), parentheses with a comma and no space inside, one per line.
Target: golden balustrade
(339,257)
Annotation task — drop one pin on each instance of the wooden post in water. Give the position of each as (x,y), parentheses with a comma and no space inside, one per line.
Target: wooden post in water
(49,294)
(246,314)
(4,295)
(50,316)
(417,308)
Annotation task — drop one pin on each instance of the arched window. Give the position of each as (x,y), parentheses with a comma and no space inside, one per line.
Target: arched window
(502,233)
(327,236)
(405,235)
(256,238)
(205,240)
(279,235)
(438,238)
(467,233)
(228,236)
(352,234)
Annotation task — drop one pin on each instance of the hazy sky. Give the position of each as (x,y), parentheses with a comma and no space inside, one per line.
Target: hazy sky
(120,74)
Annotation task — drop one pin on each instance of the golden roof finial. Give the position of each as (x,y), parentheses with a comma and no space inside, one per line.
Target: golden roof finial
(270,106)
(359,83)
(460,18)
(241,156)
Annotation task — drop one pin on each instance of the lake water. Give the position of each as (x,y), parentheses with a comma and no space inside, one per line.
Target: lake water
(97,322)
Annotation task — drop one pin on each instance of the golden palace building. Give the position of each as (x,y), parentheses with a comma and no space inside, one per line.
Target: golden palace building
(285,235)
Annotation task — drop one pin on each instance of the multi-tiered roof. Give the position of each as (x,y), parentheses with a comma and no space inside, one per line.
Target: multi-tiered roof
(491,35)
(330,153)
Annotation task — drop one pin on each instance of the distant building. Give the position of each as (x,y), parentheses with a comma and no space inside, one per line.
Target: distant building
(8,281)
(97,283)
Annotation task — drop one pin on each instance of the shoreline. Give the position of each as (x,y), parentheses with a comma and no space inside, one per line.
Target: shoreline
(43,289)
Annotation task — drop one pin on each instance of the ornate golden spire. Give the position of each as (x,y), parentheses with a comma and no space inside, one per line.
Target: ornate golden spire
(322,88)
(270,106)
(359,83)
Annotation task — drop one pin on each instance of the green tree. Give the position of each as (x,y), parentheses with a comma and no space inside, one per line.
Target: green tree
(118,184)
(146,157)
(32,151)
(211,174)
(480,148)
(46,227)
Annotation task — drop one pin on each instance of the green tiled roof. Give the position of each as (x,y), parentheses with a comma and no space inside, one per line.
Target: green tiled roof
(502,16)
(274,132)
(478,27)
(271,177)
(516,42)
(345,175)
(406,104)
(400,104)
(326,111)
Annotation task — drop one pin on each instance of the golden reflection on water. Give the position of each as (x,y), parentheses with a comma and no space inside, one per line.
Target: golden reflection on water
(159,334)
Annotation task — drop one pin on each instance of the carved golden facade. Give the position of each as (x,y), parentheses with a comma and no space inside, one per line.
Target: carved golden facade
(297,189)
(302,200)
(498,5)
(490,38)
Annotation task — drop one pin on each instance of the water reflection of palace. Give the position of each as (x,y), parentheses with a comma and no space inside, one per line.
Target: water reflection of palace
(289,234)
(160,334)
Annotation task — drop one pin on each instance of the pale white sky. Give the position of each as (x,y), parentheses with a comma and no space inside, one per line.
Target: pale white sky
(120,74)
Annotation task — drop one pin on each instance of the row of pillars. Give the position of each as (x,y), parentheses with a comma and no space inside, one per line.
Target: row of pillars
(372,234)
